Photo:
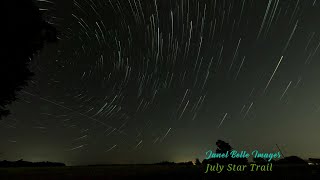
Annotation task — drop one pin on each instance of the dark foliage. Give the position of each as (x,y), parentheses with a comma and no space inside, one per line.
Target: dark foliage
(189,163)
(224,147)
(291,160)
(25,33)
(173,163)
(165,163)
(260,161)
(22,163)
(198,162)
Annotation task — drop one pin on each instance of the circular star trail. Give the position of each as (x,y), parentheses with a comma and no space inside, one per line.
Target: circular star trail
(130,74)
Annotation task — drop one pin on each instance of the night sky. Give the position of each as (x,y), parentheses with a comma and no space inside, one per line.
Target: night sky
(143,81)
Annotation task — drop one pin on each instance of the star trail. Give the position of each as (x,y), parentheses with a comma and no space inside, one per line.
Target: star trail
(144,81)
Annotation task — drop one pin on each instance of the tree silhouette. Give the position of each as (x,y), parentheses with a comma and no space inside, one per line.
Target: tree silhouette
(260,161)
(291,160)
(22,163)
(198,162)
(222,148)
(26,33)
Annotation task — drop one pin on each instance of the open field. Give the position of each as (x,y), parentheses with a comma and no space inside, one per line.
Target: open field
(151,172)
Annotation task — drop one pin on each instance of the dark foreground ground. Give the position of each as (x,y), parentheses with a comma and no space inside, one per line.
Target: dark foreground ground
(151,172)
